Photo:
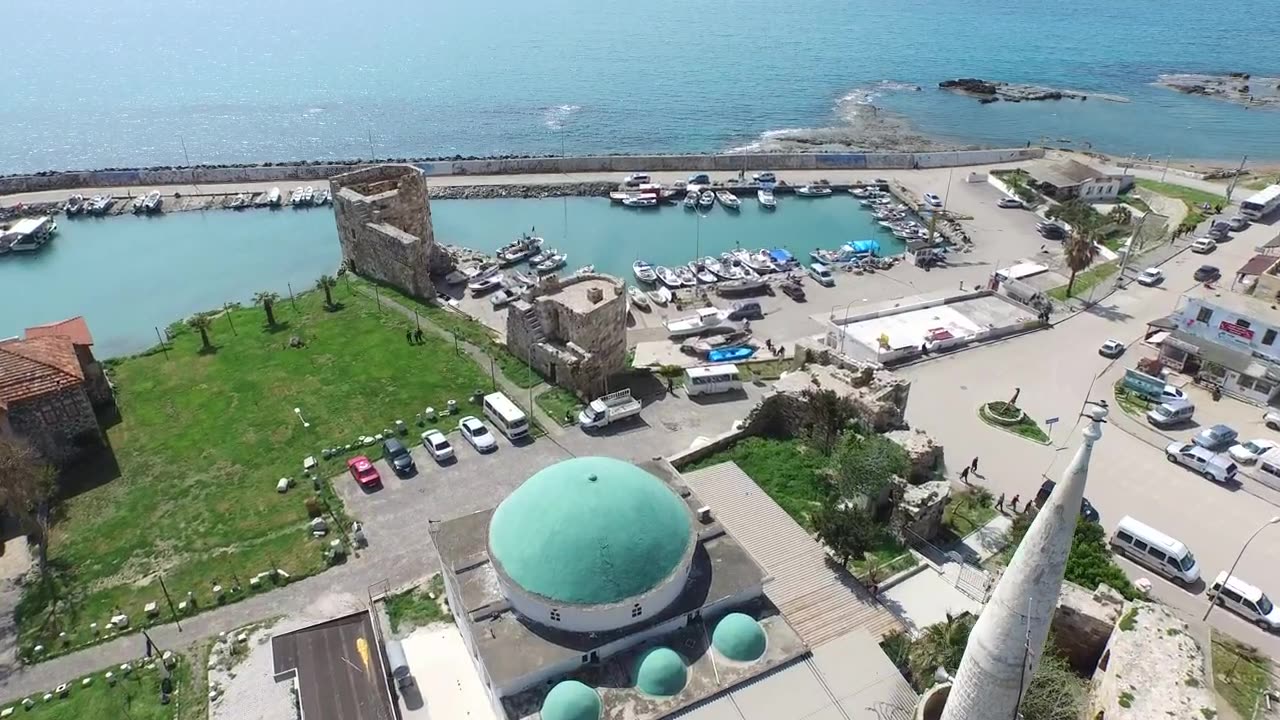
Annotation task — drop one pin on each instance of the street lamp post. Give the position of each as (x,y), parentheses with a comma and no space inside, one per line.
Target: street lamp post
(1244,547)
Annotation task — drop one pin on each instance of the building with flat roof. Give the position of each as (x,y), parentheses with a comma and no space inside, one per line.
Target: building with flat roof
(572,330)
(1229,338)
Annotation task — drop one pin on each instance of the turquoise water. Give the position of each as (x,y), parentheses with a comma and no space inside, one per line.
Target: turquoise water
(92,84)
(129,275)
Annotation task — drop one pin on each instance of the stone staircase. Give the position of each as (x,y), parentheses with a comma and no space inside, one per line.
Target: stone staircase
(534,324)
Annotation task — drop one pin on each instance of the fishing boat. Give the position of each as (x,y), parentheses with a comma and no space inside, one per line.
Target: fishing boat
(861,192)
(691,200)
(668,277)
(744,285)
(152,202)
(701,272)
(758,261)
(813,191)
(553,263)
(485,284)
(585,269)
(541,256)
(730,354)
(643,271)
(29,234)
(723,270)
(136,205)
(661,296)
(99,204)
(273,197)
(706,199)
(686,275)
(728,200)
(828,257)
(766,199)
(75,205)
(518,249)
(704,319)
(641,201)
(638,298)
(322,197)
(308,195)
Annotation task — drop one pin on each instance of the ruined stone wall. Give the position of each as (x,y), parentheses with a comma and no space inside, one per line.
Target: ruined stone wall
(60,425)
(600,332)
(95,380)
(1083,622)
(384,227)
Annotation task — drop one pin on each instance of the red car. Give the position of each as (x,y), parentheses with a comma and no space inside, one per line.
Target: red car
(363,471)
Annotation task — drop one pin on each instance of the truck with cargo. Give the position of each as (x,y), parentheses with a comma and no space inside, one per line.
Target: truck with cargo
(609,409)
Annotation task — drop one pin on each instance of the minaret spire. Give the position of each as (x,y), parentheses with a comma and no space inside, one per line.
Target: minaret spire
(1005,645)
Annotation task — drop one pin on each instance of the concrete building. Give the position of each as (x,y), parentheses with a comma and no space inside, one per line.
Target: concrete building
(384,227)
(572,330)
(1229,338)
(1153,668)
(1069,179)
(602,589)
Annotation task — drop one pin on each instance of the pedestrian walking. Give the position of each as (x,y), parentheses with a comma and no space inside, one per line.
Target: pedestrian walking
(973,466)
(408,336)
(964,475)
(1013,504)
(417,335)
(1000,503)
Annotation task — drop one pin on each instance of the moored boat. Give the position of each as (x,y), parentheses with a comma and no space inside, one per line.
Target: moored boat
(701,272)
(273,197)
(728,200)
(813,191)
(641,201)
(704,319)
(553,263)
(668,277)
(686,275)
(28,234)
(661,296)
(643,271)
(541,256)
(485,284)
(691,200)
(75,205)
(152,202)
(518,249)
(766,199)
(638,298)
(706,199)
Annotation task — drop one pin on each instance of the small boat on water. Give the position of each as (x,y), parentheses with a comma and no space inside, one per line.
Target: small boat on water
(703,320)
(273,197)
(518,249)
(706,199)
(686,276)
(668,277)
(75,205)
(721,269)
(828,257)
(553,263)
(643,271)
(541,256)
(638,298)
(757,261)
(100,204)
(322,197)
(585,269)
(701,272)
(28,234)
(765,197)
(295,195)
(136,205)
(641,201)
(728,200)
(691,200)
(813,191)
(861,192)
(661,296)
(152,202)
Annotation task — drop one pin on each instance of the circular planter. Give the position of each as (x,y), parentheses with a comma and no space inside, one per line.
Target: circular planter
(1002,413)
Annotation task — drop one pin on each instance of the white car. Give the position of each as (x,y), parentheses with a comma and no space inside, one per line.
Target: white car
(1008,202)
(635,179)
(1206,462)
(1272,420)
(932,199)
(1203,245)
(437,445)
(1111,349)
(764,177)
(1150,276)
(477,434)
(1249,452)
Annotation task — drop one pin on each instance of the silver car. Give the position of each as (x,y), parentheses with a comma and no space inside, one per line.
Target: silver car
(477,434)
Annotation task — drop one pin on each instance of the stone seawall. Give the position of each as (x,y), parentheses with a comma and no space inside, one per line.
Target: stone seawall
(515,166)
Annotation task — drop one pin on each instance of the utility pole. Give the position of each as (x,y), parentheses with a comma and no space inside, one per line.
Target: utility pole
(185,156)
(226,310)
(1167,158)
(1231,188)
(369,131)
(163,349)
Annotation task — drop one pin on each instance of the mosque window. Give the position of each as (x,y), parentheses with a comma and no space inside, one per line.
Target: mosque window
(636,610)
(555,615)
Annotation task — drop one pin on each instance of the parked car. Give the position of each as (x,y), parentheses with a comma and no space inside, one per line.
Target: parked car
(1249,452)
(700,179)
(1272,420)
(746,310)
(765,178)
(477,434)
(1087,510)
(1207,273)
(822,274)
(1111,349)
(1203,246)
(363,471)
(1244,599)
(1051,231)
(1151,276)
(795,291)
(933,200)
(635,179)
(1217,437)
(437,445)
(1213,466)
(1238,222)
(397,456)
(1219,230)
(1173,412)
(1010,202)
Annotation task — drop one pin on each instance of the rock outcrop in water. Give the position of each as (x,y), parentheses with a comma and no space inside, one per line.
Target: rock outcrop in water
(1235,87)
(989,91)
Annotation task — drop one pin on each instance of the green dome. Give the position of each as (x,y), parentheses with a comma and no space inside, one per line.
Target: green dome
(590,530)
(661,672)
(739,637)
(571,700)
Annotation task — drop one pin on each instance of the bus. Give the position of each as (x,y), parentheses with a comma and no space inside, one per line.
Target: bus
(506,415)
(710,379)
(1261,204)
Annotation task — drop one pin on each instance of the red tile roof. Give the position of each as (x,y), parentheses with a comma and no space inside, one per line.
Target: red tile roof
(37,366)
(75,328)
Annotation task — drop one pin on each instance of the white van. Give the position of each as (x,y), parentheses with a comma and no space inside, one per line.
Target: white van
(1153,549)
(821,274)
(506,415)
(711,379)
(1269,468)
(1246,600)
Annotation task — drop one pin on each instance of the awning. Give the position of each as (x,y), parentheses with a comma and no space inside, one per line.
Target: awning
(1178,343)
(1257,265)
(864,246)
(1168,322)
(780,255)
(1158,337)
(1218,354)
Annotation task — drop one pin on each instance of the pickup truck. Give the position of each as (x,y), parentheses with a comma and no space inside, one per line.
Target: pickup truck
(609,408)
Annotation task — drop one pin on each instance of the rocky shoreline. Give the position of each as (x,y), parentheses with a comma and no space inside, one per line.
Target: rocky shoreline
(989,91)
(1240,88)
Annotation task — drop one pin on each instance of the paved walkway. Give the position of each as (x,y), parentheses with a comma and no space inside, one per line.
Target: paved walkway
(986,540)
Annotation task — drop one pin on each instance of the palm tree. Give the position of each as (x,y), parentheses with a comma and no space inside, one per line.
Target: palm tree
(940,645)
(201,323)
(1080,253)
(268,302)
(327,283)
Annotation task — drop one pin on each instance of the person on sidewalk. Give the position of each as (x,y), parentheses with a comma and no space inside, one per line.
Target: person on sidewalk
(964,474)
(1000,503)
(1013,504)
(408,336)
(973,467)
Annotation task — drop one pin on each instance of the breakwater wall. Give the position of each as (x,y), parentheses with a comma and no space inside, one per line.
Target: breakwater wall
(200,175)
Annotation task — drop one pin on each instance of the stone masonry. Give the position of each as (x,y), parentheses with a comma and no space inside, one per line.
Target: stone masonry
(572,330)
(60,425)
(384,228)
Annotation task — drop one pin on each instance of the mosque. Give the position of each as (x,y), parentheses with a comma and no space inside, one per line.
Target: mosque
(602,589)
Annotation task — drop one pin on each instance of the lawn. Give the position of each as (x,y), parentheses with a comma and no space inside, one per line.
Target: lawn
(204,437)
(1264,182)
(557,402)
(785,469)
(1086,280)
(1026,427)
(764,369)
(135,696)
(967,511)
(888,556)
(1241,674)
(415,607)
(1190,197)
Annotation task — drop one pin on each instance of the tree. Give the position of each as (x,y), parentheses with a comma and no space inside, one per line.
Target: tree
(26,490)
(827,415)
(864,466)
(327,283)
(201,323)
(1055,692)
(268,302)
(849,531)
(1120,215)
(1080,253)
(940,645)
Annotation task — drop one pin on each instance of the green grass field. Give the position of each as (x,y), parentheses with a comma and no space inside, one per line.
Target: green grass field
(1190,197)
(135,696)
(967,512)
(415,607)
(785,469)
(1241,674)
(1086,280)
(556,402)
(205,436)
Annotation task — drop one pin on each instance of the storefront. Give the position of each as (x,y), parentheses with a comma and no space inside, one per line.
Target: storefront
(1238,373)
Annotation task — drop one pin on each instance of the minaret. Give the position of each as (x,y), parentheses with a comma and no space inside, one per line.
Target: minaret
(1002,655)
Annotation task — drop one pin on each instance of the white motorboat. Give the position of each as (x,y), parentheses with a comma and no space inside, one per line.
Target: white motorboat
(701,272)
(744,285)
(827,257)
(691,200)
(503,297)
(518,249)
(668,277)
(485,284)
(661,296)
(641,201)
(553,263)
(295,195)
(766,199)
(638,298)
(813,191)
(760,260)
(136,205)
(273,197)
(100,204)
(75,205)
(703,320)
(686,276)
(861,192)
(152,202)
(541,256)
(722,270)
(28,234)
(706,199)
(308,196)
(585,269)
(728,200)
(323,197)
(643,271)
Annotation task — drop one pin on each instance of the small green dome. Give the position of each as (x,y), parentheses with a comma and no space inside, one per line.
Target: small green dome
(660,671)
(571,700)
(590,530)
(739,637)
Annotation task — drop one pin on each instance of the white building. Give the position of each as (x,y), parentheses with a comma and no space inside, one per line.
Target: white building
(1231,339)
(1069,179)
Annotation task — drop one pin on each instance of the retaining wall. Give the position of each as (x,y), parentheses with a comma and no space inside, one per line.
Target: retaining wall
(517,166)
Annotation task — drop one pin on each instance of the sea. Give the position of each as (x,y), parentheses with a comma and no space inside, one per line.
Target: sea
(132,276)
(86,84)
